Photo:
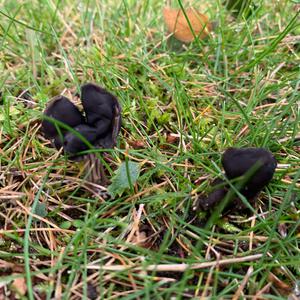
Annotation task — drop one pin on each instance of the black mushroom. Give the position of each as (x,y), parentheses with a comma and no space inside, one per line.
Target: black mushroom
(97,128)
(237,163)
(103,112)
(61,109)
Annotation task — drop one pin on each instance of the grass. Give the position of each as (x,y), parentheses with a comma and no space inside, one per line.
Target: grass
(183,105)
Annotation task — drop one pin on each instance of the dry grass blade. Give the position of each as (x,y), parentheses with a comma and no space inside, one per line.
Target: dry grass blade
(243,284)
(265,289)
(178,267)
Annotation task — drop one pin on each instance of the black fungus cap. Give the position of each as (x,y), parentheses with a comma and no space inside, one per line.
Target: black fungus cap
(237,162)
(62,109)
(100,126)
(73,143)
(102,111)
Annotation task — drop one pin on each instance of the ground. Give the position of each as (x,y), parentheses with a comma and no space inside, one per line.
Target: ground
(182,106)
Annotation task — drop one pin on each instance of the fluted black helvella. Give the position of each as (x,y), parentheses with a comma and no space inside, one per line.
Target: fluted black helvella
(96,127)
(237,162)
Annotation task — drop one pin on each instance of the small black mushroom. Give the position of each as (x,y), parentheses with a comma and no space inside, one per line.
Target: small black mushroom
(74,143)
(102,111)
(99,128)
(62,109)
(236,163)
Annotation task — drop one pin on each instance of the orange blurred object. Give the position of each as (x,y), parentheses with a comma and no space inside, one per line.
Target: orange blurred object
(177,24)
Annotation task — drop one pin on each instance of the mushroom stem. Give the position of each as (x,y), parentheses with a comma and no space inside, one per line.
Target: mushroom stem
(95,170)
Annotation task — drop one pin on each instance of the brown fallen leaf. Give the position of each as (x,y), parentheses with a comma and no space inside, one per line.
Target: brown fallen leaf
(178,25)
(135,144)
(172,139)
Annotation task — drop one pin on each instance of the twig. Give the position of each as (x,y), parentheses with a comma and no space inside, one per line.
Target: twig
(177,267)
